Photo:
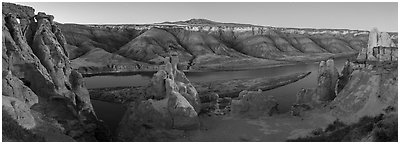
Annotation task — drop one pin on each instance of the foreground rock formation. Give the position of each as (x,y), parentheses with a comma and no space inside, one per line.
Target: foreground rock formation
(327,78)
(366,94)
(171,104)
(40,90)
(361,81)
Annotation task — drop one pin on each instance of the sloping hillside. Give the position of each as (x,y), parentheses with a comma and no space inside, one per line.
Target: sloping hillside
(203,41)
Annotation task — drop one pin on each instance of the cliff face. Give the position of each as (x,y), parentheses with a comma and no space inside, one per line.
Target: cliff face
(200,42)
(380,48)
(38,74)
(366,86)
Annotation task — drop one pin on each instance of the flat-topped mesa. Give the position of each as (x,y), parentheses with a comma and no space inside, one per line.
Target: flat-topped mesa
(380,48)
(255,29)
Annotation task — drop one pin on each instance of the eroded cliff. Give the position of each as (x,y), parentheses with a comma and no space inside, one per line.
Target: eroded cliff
(207,45)
(40,89)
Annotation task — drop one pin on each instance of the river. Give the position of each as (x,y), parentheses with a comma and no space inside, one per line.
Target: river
(286,95)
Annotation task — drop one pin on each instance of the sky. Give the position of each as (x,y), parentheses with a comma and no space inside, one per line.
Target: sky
(360,16)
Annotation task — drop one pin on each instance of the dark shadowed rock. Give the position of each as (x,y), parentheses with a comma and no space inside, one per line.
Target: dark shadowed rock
(344,77)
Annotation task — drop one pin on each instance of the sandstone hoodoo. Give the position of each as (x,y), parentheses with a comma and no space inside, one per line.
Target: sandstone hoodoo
(325,92)
(171,104)
(327,78)
(380,48)
(40,90)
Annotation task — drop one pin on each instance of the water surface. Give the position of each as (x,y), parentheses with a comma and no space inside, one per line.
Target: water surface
(286,95)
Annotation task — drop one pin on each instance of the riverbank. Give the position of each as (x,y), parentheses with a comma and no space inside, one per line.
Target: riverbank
(231,65)
(224,88)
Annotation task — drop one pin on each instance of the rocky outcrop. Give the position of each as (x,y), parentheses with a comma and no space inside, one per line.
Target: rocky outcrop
(19,111)
(171,103)
(327,78)
(209,102)
(254,104)
(37,73)
(306,99)
(14,87)
(344,77)
(326,90)
(367,93)
(380,48)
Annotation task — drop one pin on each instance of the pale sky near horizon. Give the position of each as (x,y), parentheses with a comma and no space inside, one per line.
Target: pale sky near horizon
(362,16)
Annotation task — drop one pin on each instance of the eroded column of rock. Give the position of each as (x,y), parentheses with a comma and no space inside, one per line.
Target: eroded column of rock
(37,73)
(372,42)
(51,53)
(327,78)
(21,61)
(344,76)
(380,48)
(171,103)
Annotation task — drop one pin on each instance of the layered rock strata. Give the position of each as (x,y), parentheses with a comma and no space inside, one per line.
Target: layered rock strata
(207,45)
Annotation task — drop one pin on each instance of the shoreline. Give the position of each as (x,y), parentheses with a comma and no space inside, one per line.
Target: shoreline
(285,63)
(224,88)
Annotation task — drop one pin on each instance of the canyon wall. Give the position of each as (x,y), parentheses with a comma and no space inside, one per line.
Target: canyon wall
(203,44)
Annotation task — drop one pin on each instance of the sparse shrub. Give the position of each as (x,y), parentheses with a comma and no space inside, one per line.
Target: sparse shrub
(382,128)
(385,130)
(317,131)
(335,125)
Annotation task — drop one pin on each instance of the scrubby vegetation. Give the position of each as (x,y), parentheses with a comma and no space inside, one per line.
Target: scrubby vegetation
(12,131)
(379,128)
